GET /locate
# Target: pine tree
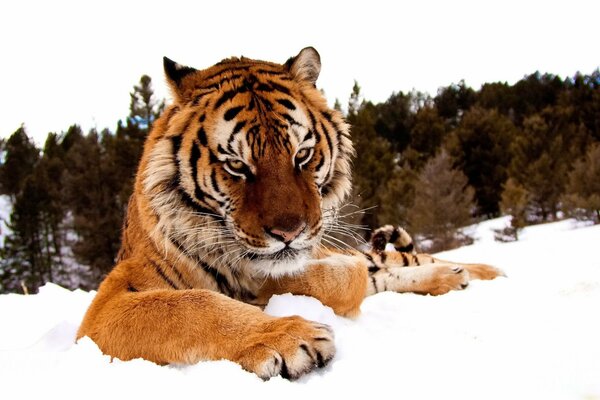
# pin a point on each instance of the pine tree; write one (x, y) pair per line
(28, 251)
(515, 200)
(582, 193)
(443, 203)
(337, 105)
(91, 190)
(144, 108)
(394, 119)
(124, 148)
(19, 158)
(374, 163)
(480, 145)
(355, 100)
(397, 197)
(427, 134)
(542, 156)
(33, 251)
(453, 101)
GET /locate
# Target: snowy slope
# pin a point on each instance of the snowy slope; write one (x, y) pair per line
(532, 335)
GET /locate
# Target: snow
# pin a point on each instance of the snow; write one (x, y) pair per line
(532, 335)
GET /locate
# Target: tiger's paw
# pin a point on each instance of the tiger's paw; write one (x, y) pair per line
(289, 346)
(444, 278)
(483, 271)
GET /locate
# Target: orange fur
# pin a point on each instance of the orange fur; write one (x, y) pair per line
(221, 185)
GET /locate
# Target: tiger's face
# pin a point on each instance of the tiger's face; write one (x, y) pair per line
(259, 157)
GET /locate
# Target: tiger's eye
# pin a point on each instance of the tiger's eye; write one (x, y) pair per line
(302, 154)
(235, 165)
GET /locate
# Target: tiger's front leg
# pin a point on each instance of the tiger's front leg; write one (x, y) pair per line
(186, 326)
(342, 280)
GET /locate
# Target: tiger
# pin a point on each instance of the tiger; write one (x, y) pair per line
(239, 180)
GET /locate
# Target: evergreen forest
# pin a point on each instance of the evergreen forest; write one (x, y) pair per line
(432, 164)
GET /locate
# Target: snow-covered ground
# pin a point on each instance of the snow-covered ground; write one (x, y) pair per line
(533, 335)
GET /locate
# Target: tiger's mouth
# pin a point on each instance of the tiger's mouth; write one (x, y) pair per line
(285, 254)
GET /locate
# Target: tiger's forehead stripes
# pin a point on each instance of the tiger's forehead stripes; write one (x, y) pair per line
(250, 114)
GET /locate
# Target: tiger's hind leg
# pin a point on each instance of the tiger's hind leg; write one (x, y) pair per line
(434, 279)
(422, 273)
(406, 256)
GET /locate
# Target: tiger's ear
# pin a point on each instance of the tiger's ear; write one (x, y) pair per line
(175, 73)
(306, 66)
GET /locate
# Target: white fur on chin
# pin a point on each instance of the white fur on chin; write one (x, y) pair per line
(279, 268)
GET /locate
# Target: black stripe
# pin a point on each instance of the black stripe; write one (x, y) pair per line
(406, 249)
(395, 236)
(176, 144)
(313, 122)
(374, 283)
(309, 135)
(266, 104)
(321, 161)
(264, 87)
(194, 156)
(190, 202)
(279, 74)
(330, 145)
(287, 104)
(280, 88)
(285, 372)
(197, 99)
(232, 113)
(242, 67)
(220, 279)
(327, 115)
(202, 196)
(132, 289)
(238, 127)
(188, 122)
(404, 259)
(416, 259)
(252, 104)
(213, 181)
(229, 78)
(172, 112)
(161, 273)
(225, 97)
(291, 120)
(202, 136)
(221, 150)
(383, 256)
(373, 268)
(202, 118)
(180, 277)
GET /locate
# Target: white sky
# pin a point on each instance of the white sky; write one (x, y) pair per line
(66, 62)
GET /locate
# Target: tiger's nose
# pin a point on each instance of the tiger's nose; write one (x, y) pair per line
(286, 234)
